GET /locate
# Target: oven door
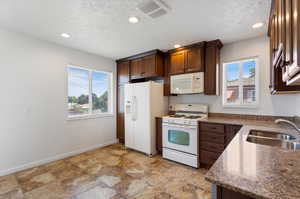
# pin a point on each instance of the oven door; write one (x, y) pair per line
(180, 138)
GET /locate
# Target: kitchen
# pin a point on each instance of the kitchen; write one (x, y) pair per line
(119, 106)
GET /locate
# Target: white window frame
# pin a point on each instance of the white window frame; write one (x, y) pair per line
(90, 114)
(240, 103)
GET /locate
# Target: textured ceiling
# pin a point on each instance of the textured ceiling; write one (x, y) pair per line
(101, 26)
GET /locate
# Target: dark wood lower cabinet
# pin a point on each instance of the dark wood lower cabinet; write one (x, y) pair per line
(231, 131)
(158, 123)
(223, 193)
(213, 139)
(211, 143)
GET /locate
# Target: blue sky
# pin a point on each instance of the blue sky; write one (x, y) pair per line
(233, 70)
(79, 82)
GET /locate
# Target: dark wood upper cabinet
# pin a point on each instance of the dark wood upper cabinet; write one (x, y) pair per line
(187, 59)
(177, 62)
(123, 72)
(212, 67)
(136, 68)
(146, 65)
(284, 36)
(195, 60)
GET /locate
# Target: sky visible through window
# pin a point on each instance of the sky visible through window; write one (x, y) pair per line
(233, 70)
(79, 82)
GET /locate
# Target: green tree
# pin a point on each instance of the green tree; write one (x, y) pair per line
(72, 99)
(83, 99)
(103, 102)
(252, 72)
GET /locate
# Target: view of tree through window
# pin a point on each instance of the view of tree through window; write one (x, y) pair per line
(240, 83)
(88, 92)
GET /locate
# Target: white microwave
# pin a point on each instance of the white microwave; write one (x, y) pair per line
(190, 83)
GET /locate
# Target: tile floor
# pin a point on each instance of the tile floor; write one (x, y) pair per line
(109, 172)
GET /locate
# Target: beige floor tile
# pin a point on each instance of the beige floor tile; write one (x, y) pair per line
(37, 181)
(8, 183)
(50, 191)
(98, 193)
(79, 184)
(110, 172)
(14, 194)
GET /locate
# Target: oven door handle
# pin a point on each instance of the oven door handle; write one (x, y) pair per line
(179, 126)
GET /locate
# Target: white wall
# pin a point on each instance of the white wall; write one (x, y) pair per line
(33, 115)
(281, 105)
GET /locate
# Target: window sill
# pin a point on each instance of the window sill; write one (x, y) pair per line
(86, 117)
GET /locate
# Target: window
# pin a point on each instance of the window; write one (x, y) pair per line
(89, 92)
(240, 83)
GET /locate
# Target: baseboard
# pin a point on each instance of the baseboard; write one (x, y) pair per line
(57, 157)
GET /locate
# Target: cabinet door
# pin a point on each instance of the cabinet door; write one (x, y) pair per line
(136, 68)
(288, 32)
(123, 72)
(230, 132)
(149, 66)
(294, 67)
(120, 115)
(177, 63)
(159, 134)
(194, 60)
(211, 75)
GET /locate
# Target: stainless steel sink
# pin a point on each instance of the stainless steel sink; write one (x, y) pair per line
(271, 135)
(274, 139)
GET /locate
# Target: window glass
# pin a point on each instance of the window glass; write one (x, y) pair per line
(78, 91)
(232, 83)
(100, 89)
(249, 90)
(89, 92)
(240, 83)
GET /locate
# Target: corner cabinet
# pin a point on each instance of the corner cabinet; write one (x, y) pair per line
(212, 67)
(187, 59)
(284, 36)
(123, 75)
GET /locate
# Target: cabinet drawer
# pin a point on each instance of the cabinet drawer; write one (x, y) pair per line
(217, 128)
(209, 146)
(212, 137)
(208, 157)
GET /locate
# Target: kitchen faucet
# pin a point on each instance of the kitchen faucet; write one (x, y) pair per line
(288, 122)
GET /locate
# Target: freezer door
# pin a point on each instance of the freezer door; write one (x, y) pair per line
(129, 123)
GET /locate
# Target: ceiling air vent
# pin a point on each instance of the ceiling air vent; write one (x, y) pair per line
(154, 8)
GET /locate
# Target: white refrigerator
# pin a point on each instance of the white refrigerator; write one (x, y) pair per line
(143, 102)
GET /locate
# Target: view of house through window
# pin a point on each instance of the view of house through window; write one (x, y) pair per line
(240, 83)
(89, 92)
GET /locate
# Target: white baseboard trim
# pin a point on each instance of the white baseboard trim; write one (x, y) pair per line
(51, 159)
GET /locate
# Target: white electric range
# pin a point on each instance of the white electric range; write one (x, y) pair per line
(180, 133)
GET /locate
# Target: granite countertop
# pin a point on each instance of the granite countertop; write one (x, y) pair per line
(257, 170)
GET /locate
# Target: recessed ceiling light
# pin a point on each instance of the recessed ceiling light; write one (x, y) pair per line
(133, 19)
(177, 46)
(65, 35)
(257, 25)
